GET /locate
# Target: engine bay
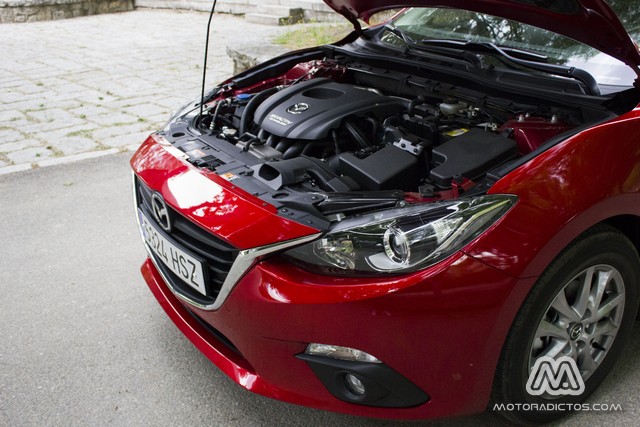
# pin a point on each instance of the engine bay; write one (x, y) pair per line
(336, 137)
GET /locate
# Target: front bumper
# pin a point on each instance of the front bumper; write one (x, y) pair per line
(442, 329)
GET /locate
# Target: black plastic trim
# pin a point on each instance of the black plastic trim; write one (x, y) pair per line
(216, 333)
(384, 387)
(494, 81)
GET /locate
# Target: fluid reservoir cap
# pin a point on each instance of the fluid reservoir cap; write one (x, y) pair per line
(244, 96)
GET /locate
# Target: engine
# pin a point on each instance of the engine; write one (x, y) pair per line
(310, 110)
(322, 135)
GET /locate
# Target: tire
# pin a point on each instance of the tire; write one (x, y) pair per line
(558, 318)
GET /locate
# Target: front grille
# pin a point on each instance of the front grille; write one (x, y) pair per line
(216, 255)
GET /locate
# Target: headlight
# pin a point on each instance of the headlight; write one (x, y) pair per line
(401, 240)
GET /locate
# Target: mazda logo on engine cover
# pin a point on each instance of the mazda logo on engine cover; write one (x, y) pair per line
(160, 212)
(298, 108)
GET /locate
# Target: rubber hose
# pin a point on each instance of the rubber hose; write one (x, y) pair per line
(357, 135)
(252, 106)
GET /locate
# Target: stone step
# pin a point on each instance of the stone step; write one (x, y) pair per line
(313, 5)
(307, 4)
(272, 2)
(239, 7)
(314, 10)
(281, 11)
(266, 19)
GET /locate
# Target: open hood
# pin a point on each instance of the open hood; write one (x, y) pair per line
(591, 22)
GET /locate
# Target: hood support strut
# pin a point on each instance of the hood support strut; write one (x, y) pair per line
(354, 21)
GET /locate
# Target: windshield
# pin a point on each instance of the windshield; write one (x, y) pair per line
(455, 24)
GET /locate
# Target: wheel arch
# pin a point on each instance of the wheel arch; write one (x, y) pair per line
(629, 225)
(585, 248)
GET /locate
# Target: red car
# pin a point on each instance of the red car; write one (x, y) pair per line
(414, 221)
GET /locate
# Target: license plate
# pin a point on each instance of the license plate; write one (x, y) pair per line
(183, 265)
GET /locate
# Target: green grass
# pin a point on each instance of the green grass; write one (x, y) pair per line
(313, 36)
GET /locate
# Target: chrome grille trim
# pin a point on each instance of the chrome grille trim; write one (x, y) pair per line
(243, 262)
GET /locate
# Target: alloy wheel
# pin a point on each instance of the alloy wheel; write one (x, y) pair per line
(583, 320)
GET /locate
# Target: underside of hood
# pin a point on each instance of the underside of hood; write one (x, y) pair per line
(591, 22)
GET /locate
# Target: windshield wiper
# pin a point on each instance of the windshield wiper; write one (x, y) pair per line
(533, 60)
(464, 44)
(443, 50)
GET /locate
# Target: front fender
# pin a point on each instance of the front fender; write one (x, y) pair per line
(586, 179)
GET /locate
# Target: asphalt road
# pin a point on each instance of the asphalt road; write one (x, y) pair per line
(83, 341)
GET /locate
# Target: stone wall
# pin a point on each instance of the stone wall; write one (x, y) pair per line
(224, 6)
(46, 10)
(314, 10)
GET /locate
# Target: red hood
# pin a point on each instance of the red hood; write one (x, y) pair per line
(591, 22)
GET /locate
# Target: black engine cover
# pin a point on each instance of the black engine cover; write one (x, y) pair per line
(311, 109)
(470, 155)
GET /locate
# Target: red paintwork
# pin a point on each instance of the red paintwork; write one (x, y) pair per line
(594, 24)
(593, 176)
(443, 327)
(413, 324)
(209, 200)
(531, 132)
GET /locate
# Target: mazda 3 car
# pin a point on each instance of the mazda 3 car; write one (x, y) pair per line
(403, 224)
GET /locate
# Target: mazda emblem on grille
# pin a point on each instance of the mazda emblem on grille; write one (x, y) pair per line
(160, 212)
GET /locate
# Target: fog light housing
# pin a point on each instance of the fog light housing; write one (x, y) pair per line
(354, 385)
(361, 383)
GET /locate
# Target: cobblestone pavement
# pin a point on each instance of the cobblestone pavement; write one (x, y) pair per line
(85, 87)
